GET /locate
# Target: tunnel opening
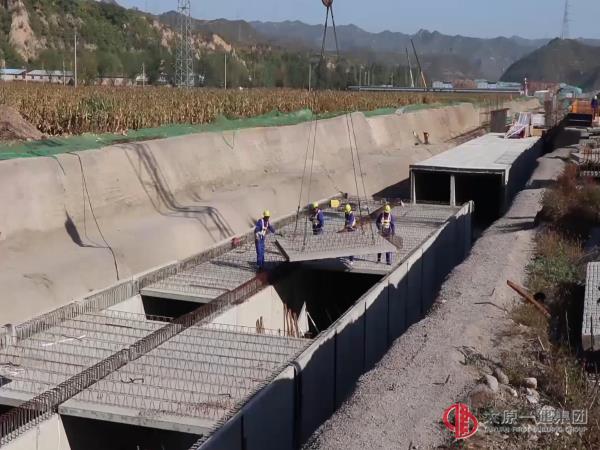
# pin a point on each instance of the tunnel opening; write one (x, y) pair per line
(83, 434)
(432, 187)
(156, 307)
(325, 295)
(486, 190)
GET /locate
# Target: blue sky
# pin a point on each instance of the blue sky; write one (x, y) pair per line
(481, 18)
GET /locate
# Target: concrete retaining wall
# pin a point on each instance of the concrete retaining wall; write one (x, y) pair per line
(285, 414)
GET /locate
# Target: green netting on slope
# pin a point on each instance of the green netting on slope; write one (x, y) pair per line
(88, 141)
(57, 145)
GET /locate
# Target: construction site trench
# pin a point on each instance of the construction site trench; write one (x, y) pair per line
(202, 353)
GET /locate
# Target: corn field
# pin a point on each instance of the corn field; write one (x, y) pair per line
(62, 110)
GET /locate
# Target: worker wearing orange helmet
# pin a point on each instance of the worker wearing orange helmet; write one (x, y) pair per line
(262, 228)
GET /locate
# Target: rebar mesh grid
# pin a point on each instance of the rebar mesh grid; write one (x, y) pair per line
(164, 349)
(200, 373)
(48, 358)
(414, 225)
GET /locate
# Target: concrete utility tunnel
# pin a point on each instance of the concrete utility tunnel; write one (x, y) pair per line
(489, 171)
(325, 295)
(304, 302)
(486, 190)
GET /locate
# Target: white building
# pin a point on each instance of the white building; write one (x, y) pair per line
(50, 76)
(12, 74)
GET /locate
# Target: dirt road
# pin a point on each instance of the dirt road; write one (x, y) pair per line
(399, 404)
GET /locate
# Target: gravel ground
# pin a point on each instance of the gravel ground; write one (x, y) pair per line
(399, 404)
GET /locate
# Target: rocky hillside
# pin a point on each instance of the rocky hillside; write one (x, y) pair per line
(566, 61)
(112, 40)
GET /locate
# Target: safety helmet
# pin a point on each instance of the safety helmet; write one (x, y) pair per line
(315, 205)
(348, 208)
(267, 213)
(387, 209)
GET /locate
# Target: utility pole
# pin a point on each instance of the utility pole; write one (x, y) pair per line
(63, 71)
(309, 76)
(419, 64)
(225, 83)
(412, 79)
(184, 66)
(565, 24)
(143, 75)
(75, 61)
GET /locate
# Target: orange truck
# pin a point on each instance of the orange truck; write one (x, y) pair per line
(580, 113)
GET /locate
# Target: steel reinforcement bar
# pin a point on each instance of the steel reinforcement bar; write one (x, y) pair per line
(20, 419)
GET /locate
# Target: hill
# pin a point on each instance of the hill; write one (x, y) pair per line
(561, 60)
(489, 58)
(238, 32)
(112, 40)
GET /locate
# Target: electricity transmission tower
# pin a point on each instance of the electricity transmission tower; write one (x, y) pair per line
(184, 66)
(565, 25)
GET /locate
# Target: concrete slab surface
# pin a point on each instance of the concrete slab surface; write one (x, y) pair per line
(488, 153)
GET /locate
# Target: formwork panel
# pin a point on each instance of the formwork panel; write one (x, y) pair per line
(376, 327)
(274, 406)
(430, 287)
(444, 260)
(398, 301)
(227, 437)
(350, 350)
(317, 384)
(415, 279)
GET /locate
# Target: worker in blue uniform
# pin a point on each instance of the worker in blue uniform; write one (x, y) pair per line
(349, 224)
(387, 228)
(317, 218)
(263, 227)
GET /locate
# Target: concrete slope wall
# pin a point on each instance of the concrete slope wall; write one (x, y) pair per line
(163, 200)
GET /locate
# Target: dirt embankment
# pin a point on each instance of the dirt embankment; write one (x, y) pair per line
(13, 127)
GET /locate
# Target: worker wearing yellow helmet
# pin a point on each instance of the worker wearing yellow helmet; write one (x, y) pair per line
(387, 228)
(317, 218)
(349, 224)
(262, 228)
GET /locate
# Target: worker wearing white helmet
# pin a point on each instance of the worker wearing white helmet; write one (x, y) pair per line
(262, 228)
